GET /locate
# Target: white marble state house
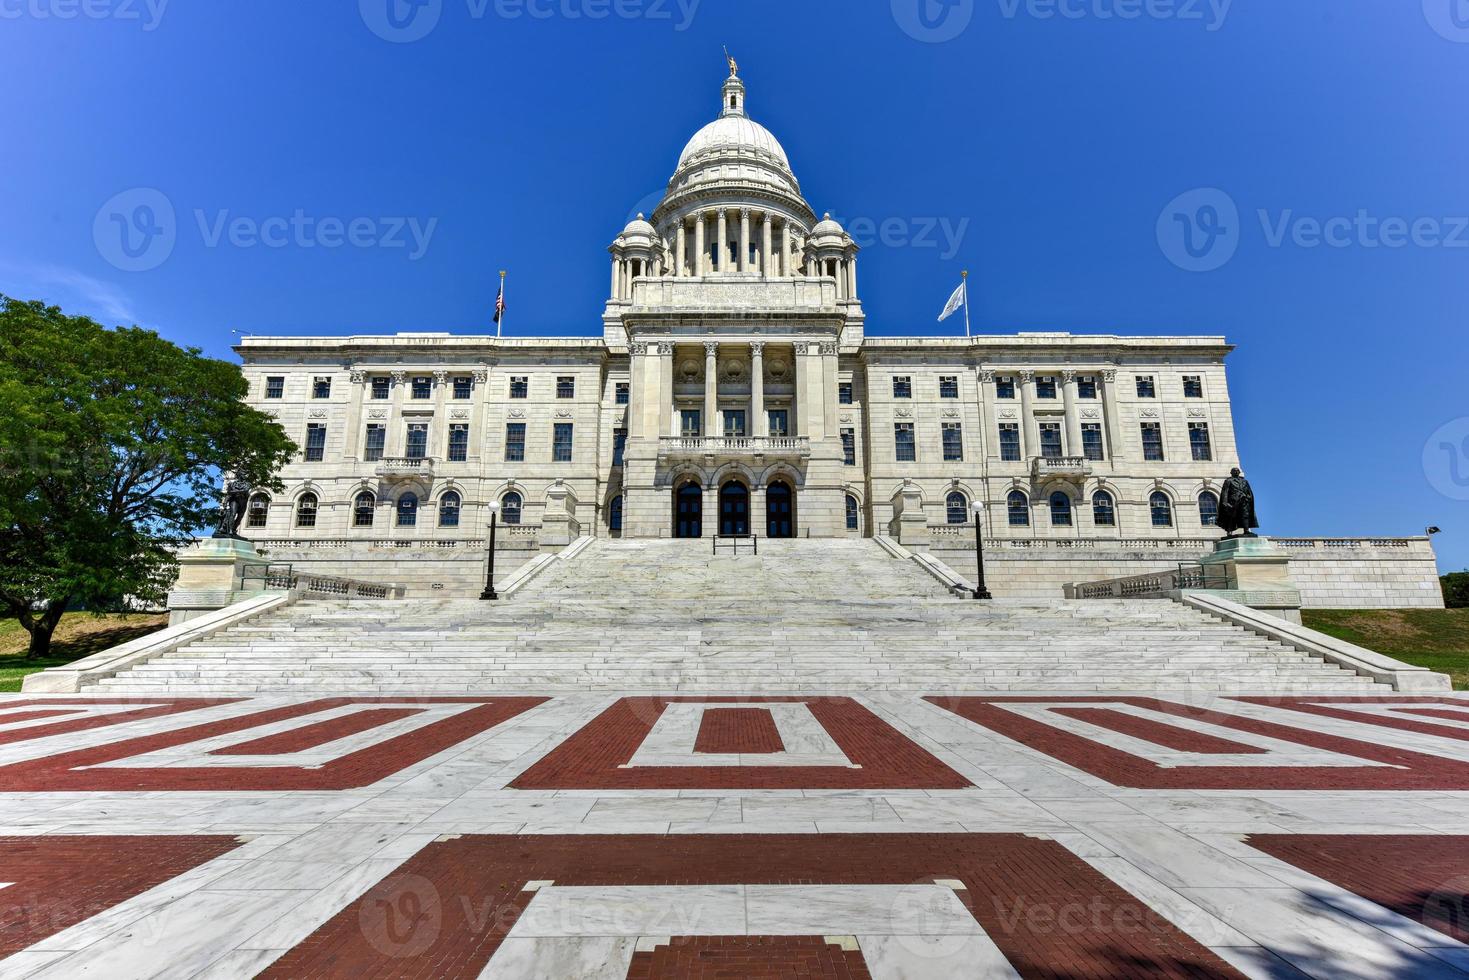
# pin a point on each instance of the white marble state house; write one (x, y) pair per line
(734, 392)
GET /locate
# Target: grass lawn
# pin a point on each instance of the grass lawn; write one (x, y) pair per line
(78, 635)
(1434, 638)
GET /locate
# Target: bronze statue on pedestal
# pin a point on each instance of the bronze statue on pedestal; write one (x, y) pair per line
(1237, 506)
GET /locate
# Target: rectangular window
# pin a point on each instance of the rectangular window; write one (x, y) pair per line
(561, 443)
(1045, 386)
(953, 442)
(315, 442)
(948, 387)
(1091, 440)
(622, 395)
(566, 387)
(849, 447)
(416, 446)
(619, 445)
(1145, 386)
(377, 437)
(907, 452)
(423, 388)
(514, 442)
(1152, 441)
(780, 422)
(1005, 388)
(463, 388)
(690, 423)
(844, 393)
(734, 423)
(1050, 440)
(321, 387)
(381, 388)
(275, 387)
(1010, 441)
(902, 387)
(520, 387)
(1198, 442)
(458, 443)
(1086, 386)
(1193, 386)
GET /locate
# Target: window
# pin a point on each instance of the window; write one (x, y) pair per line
(1104, 509)
(315, 442)
(306, 510)
(364, 509)
(520, 387)
(408, 510)
(510, 508)
(902, 387)
(1050, 440)
(948, 386)
(619, 446)
(417, 444)
(1060, 509)
(780, 421)
(1209, 509)
(275, 387)
(1162, 509)
(849, 447)
(1045, 386)
(903, 440)
(566, 387)
(449, 509)
(561, 443)
(1010, 441)
(1193, 386)
(614, 515)
(1198, 442)
(423, 388)
(1086, 386)
(851, 513)
(515, 442)
(463, 388)
(953, 442)
(458, 443)
(1091, 440)
(377, 436)
(690, 423)
(321, 388)
(734, 423)
(1152, 441)
(382, 387)
(1005, 388)
(844, 397)
(258, 511)
(623, 393)
(1145, 386)
(1017, 506)
(956, 508)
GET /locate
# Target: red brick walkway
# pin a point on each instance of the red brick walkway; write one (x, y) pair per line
(748, 958)
(749, 731)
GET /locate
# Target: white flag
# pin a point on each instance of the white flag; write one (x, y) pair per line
(960, 298)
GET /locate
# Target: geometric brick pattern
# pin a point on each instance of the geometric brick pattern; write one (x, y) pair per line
(746, 731)
(1339, 707)
(754, 957)
(135, 709)
(455, 900)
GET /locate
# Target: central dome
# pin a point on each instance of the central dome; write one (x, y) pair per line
(735, 133)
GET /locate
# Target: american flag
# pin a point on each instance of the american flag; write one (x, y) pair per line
(500, 301)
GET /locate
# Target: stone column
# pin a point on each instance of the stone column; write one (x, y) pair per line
(767, 267)
(1114, 420)
(852, 277)
(397, 437)
(680, 248)
(1031, 438)
(798, 394)
(615, 284)
(987, 407)
(667, 423)
(793, 265)
(744, 263)
(355, 422)
(759, 423)
(711, 389)
(1073, 414)
(701, 260)
(723, 241)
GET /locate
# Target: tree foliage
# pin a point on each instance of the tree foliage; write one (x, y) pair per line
(1456, 590)
(112, 448)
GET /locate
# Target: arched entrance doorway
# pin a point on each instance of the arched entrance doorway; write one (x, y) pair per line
(780, 510)
(734, 510)
(688, 511)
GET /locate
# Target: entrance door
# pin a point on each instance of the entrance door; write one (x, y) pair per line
(779, 517)
(689, 511)
(734, 510)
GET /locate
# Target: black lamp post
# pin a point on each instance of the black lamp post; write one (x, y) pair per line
(489, 593)
(980, 592)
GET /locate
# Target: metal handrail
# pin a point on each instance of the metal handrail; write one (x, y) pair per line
(270, 575)
(734, 542)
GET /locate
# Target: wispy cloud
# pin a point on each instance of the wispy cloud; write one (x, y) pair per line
(73, 291)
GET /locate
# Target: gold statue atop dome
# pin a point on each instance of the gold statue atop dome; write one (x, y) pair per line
(734, 66)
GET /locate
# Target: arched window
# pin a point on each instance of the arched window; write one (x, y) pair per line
(449, 509)
(306, 510)
(1060, 509)
(258, 510)
(1018, 506)
(1162, 509)
(1104, 509)
(852, 513)
(614, 516)
(510, 508)
(1209, 508)
(408, 510)
(364, 509)
(957, 506)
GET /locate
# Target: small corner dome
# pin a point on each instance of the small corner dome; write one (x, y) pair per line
(827, 226)
(639, 227)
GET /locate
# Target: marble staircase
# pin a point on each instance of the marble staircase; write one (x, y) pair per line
(670, 617)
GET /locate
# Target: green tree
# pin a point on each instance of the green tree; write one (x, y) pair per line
(1456, 589)
(113, 444)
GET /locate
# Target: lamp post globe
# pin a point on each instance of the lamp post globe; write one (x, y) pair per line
(980, 591)
(489, 594)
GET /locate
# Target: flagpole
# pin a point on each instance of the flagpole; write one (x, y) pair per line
(500, 320)
(966, 304)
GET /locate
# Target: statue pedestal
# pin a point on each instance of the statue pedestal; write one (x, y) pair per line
(211, 576)
(912, 521)
(1256, 574)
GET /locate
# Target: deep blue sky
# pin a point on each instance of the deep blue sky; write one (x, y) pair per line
(1055, 143)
